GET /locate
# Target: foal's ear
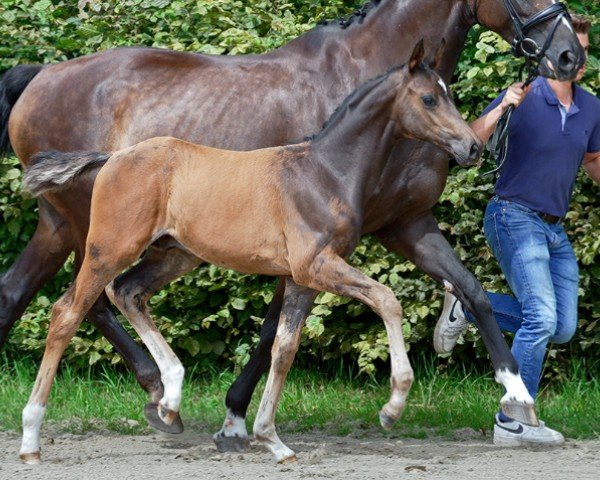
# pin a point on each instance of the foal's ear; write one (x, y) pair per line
(437, 61)
(417, 56)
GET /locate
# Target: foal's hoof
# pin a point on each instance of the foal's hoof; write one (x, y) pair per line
(231, 444)
(386, 421)
(291, 459)
(31, 458)
(154, 420)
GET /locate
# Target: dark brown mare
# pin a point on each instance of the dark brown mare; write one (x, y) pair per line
(294, 211)
(116, 98)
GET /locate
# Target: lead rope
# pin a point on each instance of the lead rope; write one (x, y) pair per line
(498, 144)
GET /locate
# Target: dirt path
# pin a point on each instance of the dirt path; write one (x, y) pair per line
(115, 457)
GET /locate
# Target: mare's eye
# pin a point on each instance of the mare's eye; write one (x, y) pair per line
(429, 101)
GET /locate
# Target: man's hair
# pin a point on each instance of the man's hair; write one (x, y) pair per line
(581, 24)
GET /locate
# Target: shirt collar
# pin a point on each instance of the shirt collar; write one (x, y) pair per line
(551, 99)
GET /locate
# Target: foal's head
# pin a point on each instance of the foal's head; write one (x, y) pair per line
(424, 110)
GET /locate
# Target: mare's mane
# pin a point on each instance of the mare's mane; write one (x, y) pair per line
(357, 16)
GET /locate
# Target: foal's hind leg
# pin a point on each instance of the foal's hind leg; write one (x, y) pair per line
(130, 292)
(67, 314)
(297, 303)
(422, 242)
(334, 275)
(233, 436)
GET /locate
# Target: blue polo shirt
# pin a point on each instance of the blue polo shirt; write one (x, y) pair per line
(545, 153)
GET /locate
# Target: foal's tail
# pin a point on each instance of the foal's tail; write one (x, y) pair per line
(51, 171)
(12, 85)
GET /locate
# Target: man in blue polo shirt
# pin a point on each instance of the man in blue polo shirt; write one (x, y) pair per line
(554, 130)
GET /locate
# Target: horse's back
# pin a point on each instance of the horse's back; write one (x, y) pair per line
(116, 98)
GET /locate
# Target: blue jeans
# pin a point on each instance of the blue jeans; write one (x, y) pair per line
(541, 269)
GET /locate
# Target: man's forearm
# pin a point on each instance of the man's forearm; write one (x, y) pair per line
(591, 163)
(484, 126)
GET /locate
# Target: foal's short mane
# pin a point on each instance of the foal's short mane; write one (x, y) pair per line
(357, 94)
(357, 15)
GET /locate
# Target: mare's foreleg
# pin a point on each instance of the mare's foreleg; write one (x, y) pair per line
(130, 292)
(297, 303)
(233, 436)
(422, 242)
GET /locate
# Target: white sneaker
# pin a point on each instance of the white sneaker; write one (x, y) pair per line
(516, 434)
(450, 325)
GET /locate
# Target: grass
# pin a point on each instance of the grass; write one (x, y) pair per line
(438, 403)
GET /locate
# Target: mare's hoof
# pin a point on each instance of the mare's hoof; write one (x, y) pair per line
(31, 458)
(290, 459)
(522, 412)
(154, 420)
(386, 421)
(231, 444)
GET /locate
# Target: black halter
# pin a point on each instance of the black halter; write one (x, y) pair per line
(526, 47)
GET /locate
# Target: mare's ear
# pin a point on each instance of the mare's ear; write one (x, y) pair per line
(417, 56)
(437, 61)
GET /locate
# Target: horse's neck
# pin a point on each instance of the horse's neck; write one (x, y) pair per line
(387, 35)
(358, 140)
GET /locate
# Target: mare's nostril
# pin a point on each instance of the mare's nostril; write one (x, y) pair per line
(567, 61)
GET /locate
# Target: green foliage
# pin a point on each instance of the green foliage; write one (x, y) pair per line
(213, 316)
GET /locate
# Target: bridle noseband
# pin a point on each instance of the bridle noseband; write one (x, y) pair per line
(526, 46)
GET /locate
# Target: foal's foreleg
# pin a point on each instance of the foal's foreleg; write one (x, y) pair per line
(336, 276)
(422, 242)
(297, 303)
(130, 292)
(233, 436)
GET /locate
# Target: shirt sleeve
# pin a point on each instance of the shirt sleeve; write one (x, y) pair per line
(594, 141)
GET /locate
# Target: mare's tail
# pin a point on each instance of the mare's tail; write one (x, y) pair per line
(51, 171)
(12, 85)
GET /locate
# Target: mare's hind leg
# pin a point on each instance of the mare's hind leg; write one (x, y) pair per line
(422, 242)
(130, 292)
(67, 315)
(233, 436)
(297, 303)
(45, 253)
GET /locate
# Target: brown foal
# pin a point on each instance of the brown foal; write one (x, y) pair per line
(294, 211)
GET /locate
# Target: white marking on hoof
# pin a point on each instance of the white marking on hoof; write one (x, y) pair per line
(448, 286)
(515, 388)
(33, 415)
(285, 455)
(233, 426)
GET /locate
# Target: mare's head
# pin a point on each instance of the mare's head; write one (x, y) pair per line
(424, 110)
(540, 29)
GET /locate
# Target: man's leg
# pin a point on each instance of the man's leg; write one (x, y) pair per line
(565, 276)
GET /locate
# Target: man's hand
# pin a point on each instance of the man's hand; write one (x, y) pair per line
(484, 126)
(515, 94)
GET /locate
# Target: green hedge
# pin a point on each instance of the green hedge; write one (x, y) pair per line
(213, 316)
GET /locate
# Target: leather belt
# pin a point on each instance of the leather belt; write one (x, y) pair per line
(546, 217)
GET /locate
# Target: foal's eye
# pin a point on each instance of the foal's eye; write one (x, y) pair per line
(429, 101)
